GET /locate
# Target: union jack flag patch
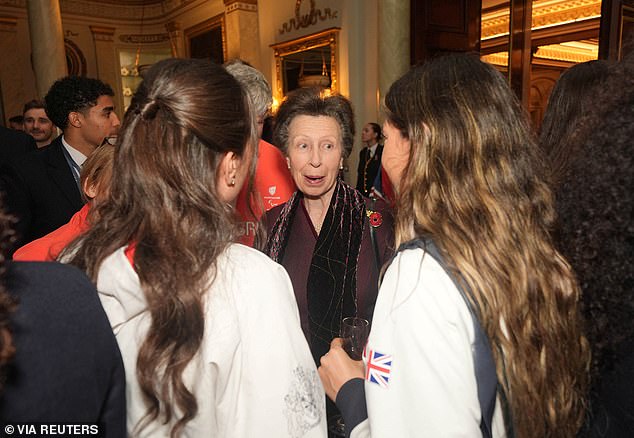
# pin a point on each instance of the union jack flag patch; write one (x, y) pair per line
(378, 368)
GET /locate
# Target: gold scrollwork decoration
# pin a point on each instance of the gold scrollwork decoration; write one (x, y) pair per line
(302, 21)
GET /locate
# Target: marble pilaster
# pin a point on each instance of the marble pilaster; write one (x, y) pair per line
(394, 42)
(47, 43)
(177, 42)
(243, 35)
(108, 69)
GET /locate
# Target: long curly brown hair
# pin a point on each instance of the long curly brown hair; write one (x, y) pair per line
(185, 116)
(596, 231)
(474, 183)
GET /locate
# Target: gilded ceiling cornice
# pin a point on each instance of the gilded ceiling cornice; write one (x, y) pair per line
(121, 10)
(545, 13)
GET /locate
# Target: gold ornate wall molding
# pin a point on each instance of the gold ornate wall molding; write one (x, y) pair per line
(328, 37)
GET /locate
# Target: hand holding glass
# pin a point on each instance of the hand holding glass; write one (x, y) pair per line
(354, 332)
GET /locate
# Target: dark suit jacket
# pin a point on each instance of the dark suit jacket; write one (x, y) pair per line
(14, 144)
(368, 169)
(40, 191)
(67, 367)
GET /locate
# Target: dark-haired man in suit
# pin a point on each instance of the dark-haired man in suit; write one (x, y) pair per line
(42, 187)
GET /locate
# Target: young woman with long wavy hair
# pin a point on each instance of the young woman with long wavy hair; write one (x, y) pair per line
(197, 317)
(470, 184)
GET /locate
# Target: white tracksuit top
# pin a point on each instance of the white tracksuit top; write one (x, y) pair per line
(423, 323)
(253, 376)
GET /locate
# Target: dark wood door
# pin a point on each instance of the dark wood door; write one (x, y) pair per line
(617, 28)
(439, 26)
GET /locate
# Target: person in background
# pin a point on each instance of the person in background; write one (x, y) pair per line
(96, 174)
(59, 361)
(37, 124)
(329, 237)
(272, 184)
(571, 101)
(17, 123)
(476, 273)
(369, 157)
(596, 235)
(195, 314)
(42, 187)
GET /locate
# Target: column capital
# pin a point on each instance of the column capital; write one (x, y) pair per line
(173, 26)
(102, 33)
(243, 5)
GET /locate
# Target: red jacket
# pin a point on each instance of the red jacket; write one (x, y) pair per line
(273, 184)
(48, 247)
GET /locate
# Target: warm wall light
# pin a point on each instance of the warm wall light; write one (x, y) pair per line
(275, 105)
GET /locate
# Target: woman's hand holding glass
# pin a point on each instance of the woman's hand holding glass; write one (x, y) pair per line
(337, 368)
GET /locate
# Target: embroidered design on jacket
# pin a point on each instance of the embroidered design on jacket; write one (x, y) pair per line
(304, 402)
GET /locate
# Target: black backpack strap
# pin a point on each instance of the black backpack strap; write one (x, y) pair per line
(484, 365)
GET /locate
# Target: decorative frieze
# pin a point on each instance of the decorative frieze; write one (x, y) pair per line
(144, 38)
(102, 33)
(241, 5)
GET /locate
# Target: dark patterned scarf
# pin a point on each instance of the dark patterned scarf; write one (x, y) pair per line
(332, 277)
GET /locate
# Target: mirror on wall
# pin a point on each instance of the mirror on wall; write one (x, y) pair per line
(307, 61)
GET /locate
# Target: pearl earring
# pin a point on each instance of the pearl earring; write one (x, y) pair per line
(233, 181)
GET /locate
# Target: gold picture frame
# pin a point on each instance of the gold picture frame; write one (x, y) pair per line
(328, 38)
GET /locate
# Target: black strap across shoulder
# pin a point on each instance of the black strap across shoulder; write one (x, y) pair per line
(484, 365)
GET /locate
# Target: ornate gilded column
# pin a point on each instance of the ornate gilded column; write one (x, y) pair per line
(394, 41)
(177, 42)
(243, 34)
(47, 43)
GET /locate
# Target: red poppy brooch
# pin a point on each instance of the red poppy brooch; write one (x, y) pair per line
(376, 219)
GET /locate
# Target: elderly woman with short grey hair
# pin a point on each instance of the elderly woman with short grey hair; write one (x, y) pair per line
(331, 240)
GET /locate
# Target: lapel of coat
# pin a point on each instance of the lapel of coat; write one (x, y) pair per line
(60, 173)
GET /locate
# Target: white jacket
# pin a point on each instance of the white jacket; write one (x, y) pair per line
(253, 376)
(422, 325)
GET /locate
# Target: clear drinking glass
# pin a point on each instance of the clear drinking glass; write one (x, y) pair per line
(354, 331)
